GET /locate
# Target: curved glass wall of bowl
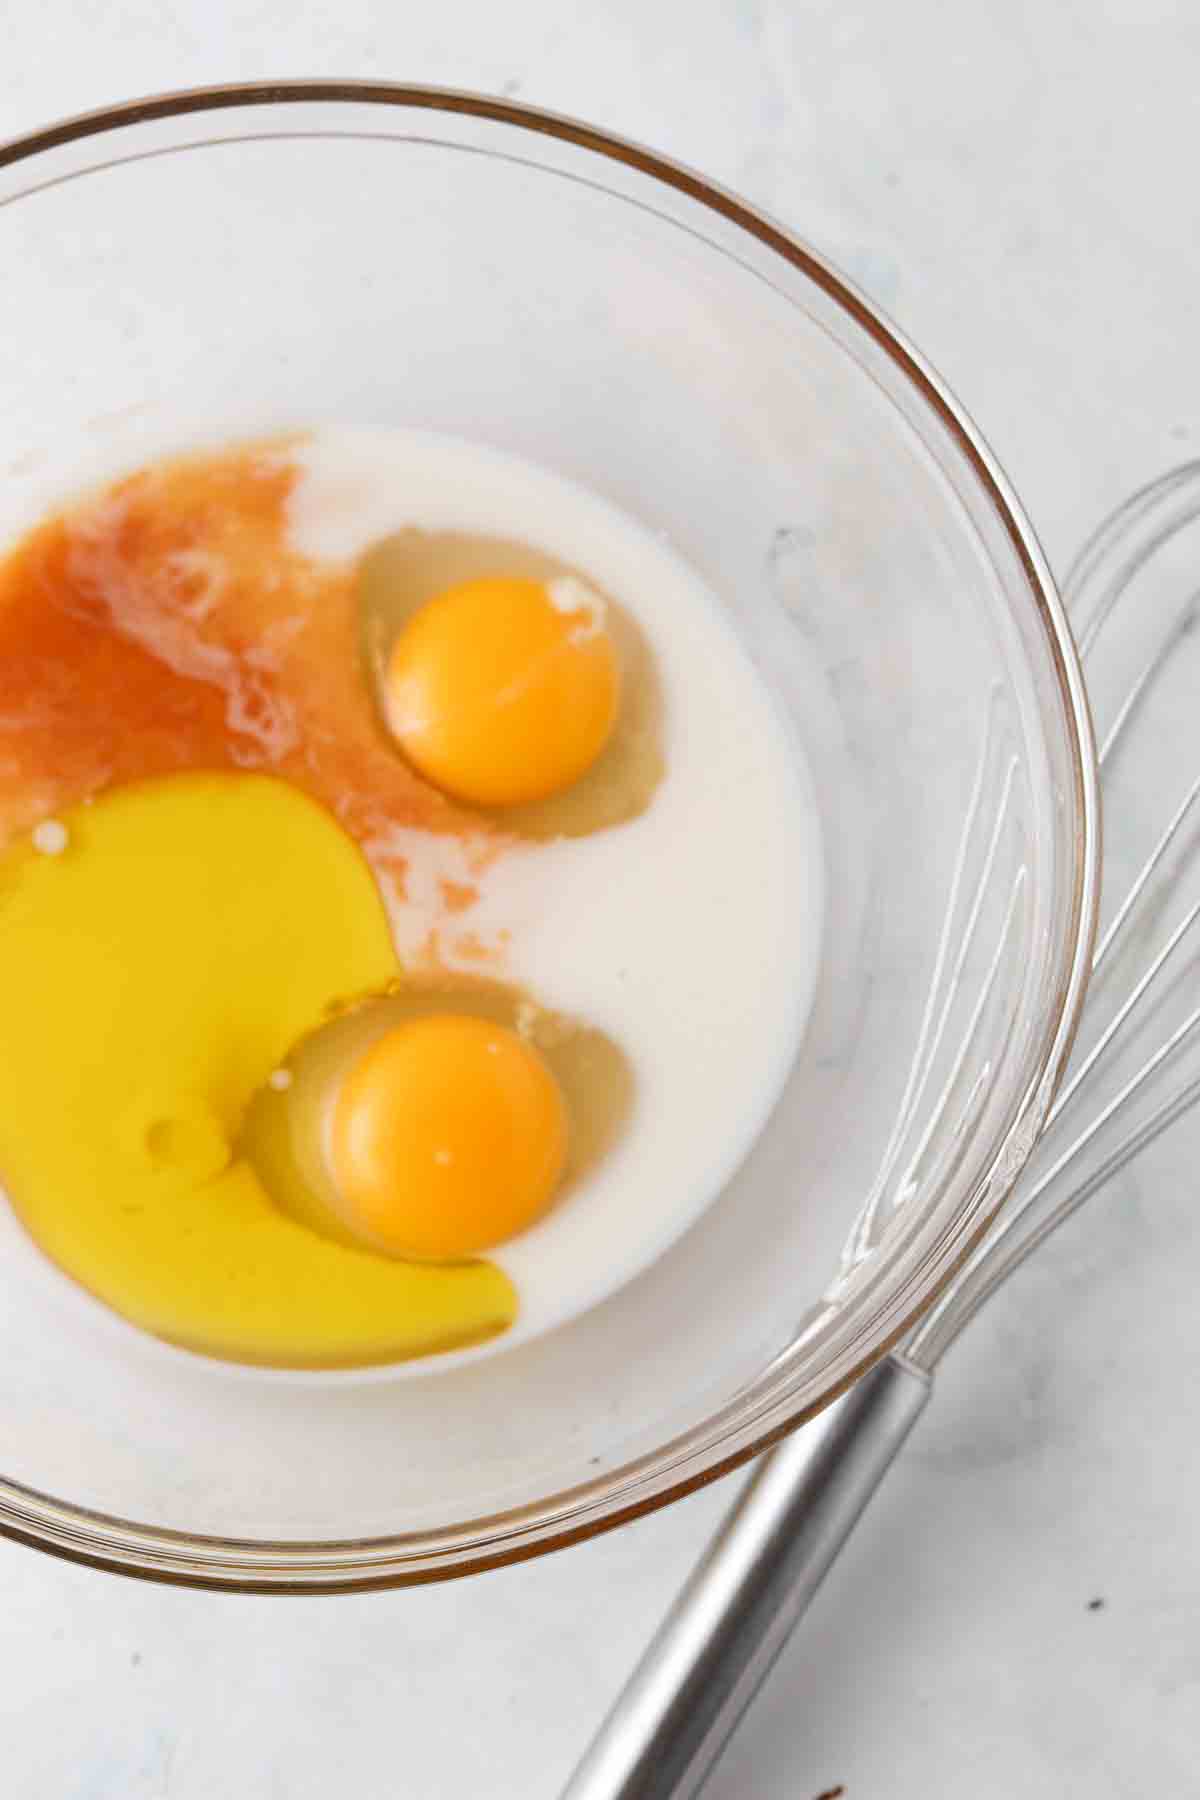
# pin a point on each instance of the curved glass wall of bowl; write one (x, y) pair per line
(979, 890)
(1134, 597)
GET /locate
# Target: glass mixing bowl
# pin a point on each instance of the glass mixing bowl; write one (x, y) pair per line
(230, 262)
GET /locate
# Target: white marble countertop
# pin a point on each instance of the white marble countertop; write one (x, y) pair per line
(1005, 180)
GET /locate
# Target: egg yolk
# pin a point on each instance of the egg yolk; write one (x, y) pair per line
(504, 691)
(448, 1136)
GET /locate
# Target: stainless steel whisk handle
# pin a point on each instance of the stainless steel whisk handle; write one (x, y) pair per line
(724, 1632)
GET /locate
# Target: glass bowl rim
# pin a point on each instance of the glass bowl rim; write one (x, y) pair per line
(120, 1545)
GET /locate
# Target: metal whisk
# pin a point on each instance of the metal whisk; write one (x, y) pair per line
(1134, 597)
